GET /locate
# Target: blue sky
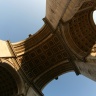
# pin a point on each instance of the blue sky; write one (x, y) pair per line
(19, 17)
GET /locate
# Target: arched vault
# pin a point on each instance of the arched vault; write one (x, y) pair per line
(63, 44)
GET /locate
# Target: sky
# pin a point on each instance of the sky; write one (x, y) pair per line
(18, 19)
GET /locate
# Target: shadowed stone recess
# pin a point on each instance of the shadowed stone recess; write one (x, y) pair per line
(8, 85)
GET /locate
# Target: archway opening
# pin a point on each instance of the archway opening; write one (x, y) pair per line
(8, 86)
(94, 17)
(70, 85)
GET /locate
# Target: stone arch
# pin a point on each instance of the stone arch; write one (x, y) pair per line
(77, 38)
(14, 84)
(56, 78)
(53, 73)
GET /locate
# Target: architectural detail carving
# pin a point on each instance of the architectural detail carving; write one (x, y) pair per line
(62, 45)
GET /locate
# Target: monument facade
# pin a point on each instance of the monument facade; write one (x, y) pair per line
(65, 43)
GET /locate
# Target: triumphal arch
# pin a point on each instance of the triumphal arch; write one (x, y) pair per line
(66, 42)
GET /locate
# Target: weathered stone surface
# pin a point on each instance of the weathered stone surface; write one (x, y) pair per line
(55, 10)
(5, 49)
(49, 53)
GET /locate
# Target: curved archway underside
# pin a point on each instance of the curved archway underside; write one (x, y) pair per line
(51, 52)
(8, 85)
(48, 49)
